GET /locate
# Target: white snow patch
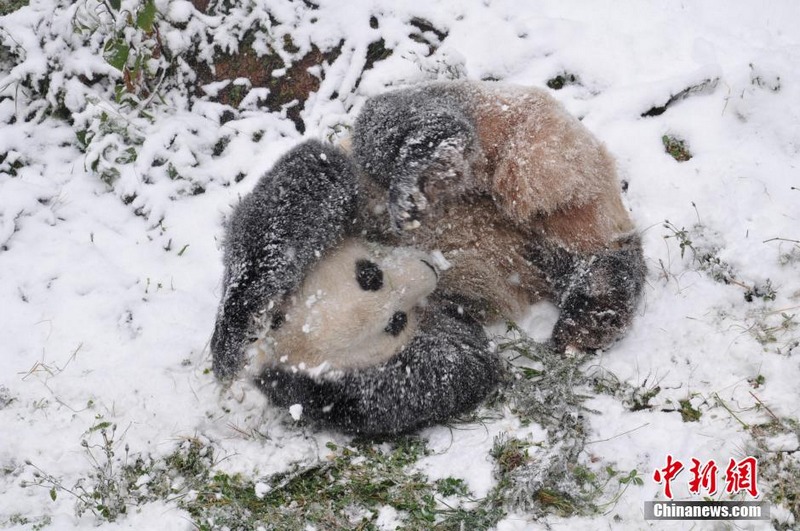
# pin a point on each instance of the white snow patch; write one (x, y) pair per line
(262, 489)
(296, 411)
(388, 518)
(440, 261)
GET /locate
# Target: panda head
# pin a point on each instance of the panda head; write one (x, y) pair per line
(356, 308)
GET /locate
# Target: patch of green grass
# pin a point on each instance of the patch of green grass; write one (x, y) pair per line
(769, 327)
(761, 291)
(452, 487)
(9, 6)
(635, 398)
(705, 254)
(688, 412)
(641, 396)
(548, 389)
(345, 491)
(509, 454)
(556, 502)
(579, 489)
(780, 469)
(353, 484)
(119, 481)
(37, 522)
(676, 148)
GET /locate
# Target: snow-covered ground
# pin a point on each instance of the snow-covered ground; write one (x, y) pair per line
(109, 293)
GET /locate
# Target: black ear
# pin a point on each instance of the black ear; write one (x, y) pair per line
(296, 211)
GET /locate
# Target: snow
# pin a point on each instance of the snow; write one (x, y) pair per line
(471, 444)
(296, 411)
(388, 518)
(262, 489)
(108, 307)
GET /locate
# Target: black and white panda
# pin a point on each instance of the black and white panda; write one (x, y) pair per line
(364, 346)
(294, 214)
(519, 198)
(349, 330)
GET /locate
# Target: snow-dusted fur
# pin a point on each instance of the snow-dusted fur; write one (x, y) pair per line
(285, 258)
(296, 211)
(447, 368)
(515, 192)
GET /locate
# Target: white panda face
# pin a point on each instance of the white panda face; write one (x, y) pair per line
(357, 308)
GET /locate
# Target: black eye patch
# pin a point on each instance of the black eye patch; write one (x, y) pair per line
(369, 275)
(397, 323)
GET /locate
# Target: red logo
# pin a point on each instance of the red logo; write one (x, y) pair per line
(667, 474)
(742, 476)
(704, 477)
(739, 476)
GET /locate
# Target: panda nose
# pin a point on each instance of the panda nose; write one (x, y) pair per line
(435, 271)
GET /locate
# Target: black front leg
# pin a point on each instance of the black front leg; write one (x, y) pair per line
(297, 211)
(412, 141)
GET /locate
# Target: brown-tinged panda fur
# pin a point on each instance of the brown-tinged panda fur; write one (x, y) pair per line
(517, 194)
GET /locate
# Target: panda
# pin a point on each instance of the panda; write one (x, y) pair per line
(365, 346)
(513, 193)
(352, 331)
(517, 195)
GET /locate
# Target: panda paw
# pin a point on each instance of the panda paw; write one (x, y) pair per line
(406, 205)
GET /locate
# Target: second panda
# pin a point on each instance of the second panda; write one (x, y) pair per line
(515, 192)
